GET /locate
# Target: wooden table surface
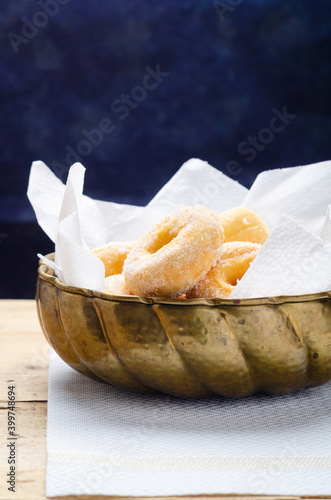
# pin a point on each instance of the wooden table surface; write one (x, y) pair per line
(24, 364)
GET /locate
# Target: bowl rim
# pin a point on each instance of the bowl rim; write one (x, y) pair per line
(47, 274)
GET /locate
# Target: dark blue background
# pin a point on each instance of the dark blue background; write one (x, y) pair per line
(225, 78)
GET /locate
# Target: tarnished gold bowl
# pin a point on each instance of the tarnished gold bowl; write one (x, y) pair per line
(189, 348)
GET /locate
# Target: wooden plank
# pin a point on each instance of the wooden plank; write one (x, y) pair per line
(30, 452)
(24, 351)
(24, 364)
(19, 316)
(24, 359)
(199, 497)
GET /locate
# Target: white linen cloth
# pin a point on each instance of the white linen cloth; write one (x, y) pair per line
(107, 441)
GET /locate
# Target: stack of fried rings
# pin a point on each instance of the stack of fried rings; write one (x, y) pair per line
(191, 253)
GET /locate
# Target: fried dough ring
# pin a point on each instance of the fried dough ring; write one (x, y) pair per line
(116, 285)
(175, 254)
(241, 224)
(222, 278)
(113, 256)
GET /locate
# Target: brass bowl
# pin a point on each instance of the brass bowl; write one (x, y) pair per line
(189, 348)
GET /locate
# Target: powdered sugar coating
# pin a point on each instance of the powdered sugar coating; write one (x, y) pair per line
(116, 285)
(222, 278)
(175, 254)
(241, 224)
(113, 255)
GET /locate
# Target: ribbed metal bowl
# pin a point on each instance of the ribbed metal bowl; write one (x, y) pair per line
(189, 348)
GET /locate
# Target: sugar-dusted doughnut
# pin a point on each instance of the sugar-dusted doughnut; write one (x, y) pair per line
(221, 279)
(241, 224)
(175, 254)
(113, 255)
(116, 285)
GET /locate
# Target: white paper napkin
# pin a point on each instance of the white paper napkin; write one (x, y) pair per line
(100, 220)
(195, 183)
(292, 261)
(106, 441)
(326, 228)
(302, 193)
